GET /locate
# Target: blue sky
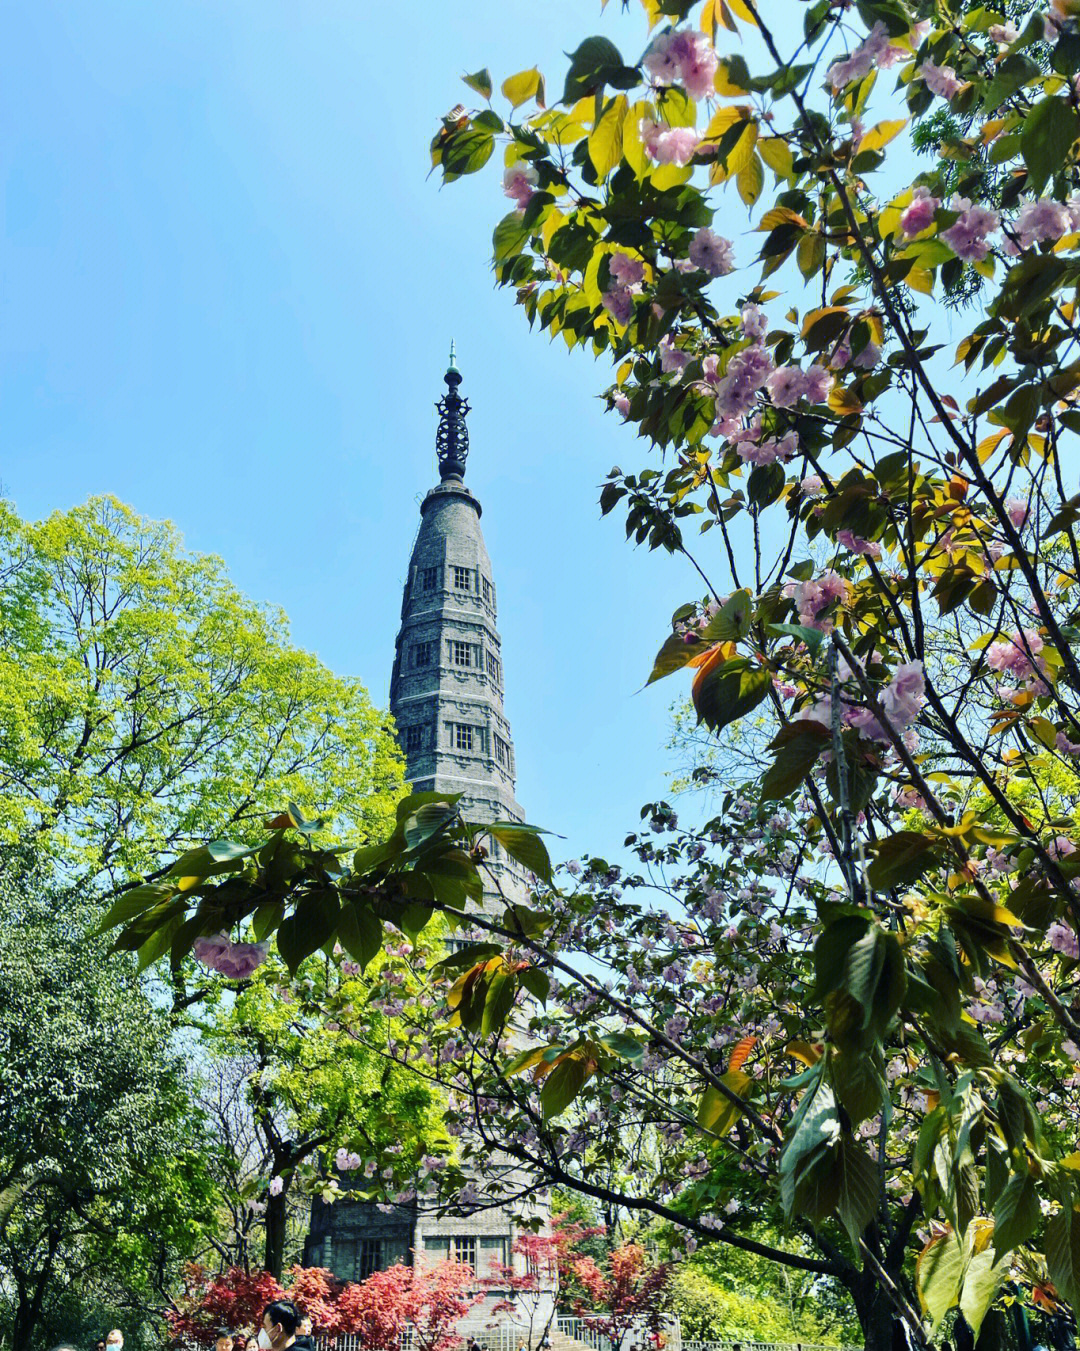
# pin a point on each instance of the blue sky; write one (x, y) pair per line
(229, 288)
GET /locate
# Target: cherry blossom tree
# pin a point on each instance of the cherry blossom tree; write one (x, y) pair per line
(835, 1024)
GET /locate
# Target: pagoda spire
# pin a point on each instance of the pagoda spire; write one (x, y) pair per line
(452, 438)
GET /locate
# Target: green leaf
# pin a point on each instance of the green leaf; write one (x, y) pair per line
(537, 982)
(311, 924)
(428, 821)
(901, 859)
(810, 254)
(982, 1281)
(159, 942)
(813, 638)
(797, 746)
(480, 82)
(1017, 1213)
(563, 1085)
(732, 621)
(730, 691)
(1063, 1253)
(1012, 74)
(674, 655)
(498, 1002)
(524, 1060)
(523, 86)
(135, 902)
(606, 138)
(465, 957)
(1046, 138)
(466, 151)
(938, 1272)
(524, 844)
(624, 1046)
(716, 1112)
(858, 1189)
(360, 932)
(595, 63)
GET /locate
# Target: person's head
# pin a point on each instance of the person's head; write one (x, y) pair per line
(114, 1341)
(99, 1345)
(240, 1341)
(223, 1340)
(304, 1325)
(279, 1322)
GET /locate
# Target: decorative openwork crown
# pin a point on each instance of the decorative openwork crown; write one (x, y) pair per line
(452, 438)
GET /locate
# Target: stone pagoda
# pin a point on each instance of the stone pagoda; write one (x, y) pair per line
(446, 695)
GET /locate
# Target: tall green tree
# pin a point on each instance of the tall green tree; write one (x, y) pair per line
(145, 701)
(308, 1092)
(103, 1155)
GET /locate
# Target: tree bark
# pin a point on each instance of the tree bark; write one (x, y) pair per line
(882, 1326)
(275, 1231)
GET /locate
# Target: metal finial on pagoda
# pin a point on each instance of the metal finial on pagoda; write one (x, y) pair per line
(452, 438)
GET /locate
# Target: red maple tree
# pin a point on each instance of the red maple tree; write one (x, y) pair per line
(628, 1296)
(232, 1299)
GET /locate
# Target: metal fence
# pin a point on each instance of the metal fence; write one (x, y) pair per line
(767, 1346)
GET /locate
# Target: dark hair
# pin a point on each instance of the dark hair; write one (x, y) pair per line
(221, 1332)
(283, 1311)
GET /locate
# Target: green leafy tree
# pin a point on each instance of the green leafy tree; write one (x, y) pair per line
(847, 1001)
(103, 1168)
(145, 701)
(308, 1093)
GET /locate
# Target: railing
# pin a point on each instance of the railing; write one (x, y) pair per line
(578, 1330)
(767, 1346)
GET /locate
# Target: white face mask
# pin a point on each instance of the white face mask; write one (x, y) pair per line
(264, 1340)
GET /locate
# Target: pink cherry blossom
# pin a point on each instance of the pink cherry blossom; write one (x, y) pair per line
(905, 694)
(711, 253)
(785, 386)
(752, 364)
(1015, 654)
(817, 382)
(1017, 511)
(234, 961)
(1043, 219)
(967, 238)
(1063, 939)
(687, 56)
(857, 65)
(852, 542)
(919, 216)
(1062, 743)
(668, 145)
(755, 323)
(940, 80)
(811, 485)
(519, 183)
(625, 270)
(672, 358)
(277, 1186)
(619, 303)
(621, 404)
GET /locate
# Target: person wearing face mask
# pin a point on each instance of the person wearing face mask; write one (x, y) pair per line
(114, 1341)
(279, 1322)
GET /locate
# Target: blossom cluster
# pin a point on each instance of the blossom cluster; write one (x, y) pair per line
(686, 56)
(874, 50)
(668, 145)
(627, 275)
(234, 961)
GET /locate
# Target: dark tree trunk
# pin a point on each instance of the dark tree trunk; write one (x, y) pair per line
(882, 1326)
(275, 1231)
